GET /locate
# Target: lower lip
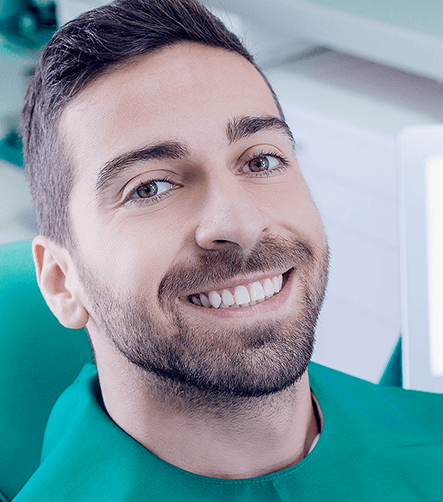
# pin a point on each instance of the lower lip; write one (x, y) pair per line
(274, 303)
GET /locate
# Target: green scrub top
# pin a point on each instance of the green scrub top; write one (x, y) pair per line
(377, 444)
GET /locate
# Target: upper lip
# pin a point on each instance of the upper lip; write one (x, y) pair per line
(238, 281)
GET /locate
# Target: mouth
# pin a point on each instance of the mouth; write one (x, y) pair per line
(243, 295)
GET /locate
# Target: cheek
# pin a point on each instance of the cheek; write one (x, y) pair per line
(288, 199)
(292, 207)
(144, 252)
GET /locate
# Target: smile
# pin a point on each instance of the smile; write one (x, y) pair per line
(243, 295)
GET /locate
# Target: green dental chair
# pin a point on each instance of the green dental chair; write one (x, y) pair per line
(39, 358)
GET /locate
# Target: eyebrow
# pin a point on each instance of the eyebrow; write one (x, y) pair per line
(166, 150)
(239, 128)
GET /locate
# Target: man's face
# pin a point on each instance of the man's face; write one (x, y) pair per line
(188, 198)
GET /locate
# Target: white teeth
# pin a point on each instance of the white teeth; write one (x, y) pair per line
(215, 299)
(241, 295)
(268, 288)
(196, 301)
(244, 296)
(276, 284)
(205, 302)
(256, 292)
(227, 298)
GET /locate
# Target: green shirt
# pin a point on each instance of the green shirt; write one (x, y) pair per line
(378, 443)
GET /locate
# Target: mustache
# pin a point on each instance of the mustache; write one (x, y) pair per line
(212, 267)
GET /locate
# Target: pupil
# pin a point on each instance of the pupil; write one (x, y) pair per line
(260, 164)
(146, 191)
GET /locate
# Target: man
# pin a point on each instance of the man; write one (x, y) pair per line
(177, 227)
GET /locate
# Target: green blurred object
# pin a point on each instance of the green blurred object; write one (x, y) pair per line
(10, 8)
(26, 24)
(392, 376)
(39, 358)
(25, 27)
(11, 149)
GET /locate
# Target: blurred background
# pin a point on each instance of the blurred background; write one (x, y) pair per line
(350, 74)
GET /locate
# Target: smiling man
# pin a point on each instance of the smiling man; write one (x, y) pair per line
(176, 227)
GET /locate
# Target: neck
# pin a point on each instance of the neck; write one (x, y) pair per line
(210, 435)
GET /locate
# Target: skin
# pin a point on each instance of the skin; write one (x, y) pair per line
(187, 93)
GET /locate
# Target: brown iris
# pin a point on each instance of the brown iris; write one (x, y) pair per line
(146, 191)
(259, 164)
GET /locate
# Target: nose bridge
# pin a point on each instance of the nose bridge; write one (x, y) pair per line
(229, 214)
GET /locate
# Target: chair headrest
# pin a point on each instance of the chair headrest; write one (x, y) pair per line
(39, 358)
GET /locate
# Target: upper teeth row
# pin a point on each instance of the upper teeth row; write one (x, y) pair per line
(243, 296)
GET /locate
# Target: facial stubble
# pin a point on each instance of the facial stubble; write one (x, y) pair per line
(221, 360)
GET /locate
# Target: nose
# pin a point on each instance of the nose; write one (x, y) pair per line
(230, 216)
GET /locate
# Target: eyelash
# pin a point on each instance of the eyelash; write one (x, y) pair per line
(157, 198)
(270, 172)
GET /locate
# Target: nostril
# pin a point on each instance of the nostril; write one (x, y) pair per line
(224, 244)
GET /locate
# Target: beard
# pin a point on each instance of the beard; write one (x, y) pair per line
(187, 353)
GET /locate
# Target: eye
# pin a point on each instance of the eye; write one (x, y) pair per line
(152, 191)
(261, 163)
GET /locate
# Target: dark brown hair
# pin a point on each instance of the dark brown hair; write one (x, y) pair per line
(78, 53)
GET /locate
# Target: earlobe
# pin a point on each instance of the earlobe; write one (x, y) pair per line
(58, 282)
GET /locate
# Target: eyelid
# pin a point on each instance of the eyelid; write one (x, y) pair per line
(264, 152)
(151, 200)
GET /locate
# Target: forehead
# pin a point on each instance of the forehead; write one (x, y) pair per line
(187, 92)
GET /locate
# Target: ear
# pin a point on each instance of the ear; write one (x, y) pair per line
(59, 283)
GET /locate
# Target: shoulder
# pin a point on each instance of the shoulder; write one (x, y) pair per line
(394, 410)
